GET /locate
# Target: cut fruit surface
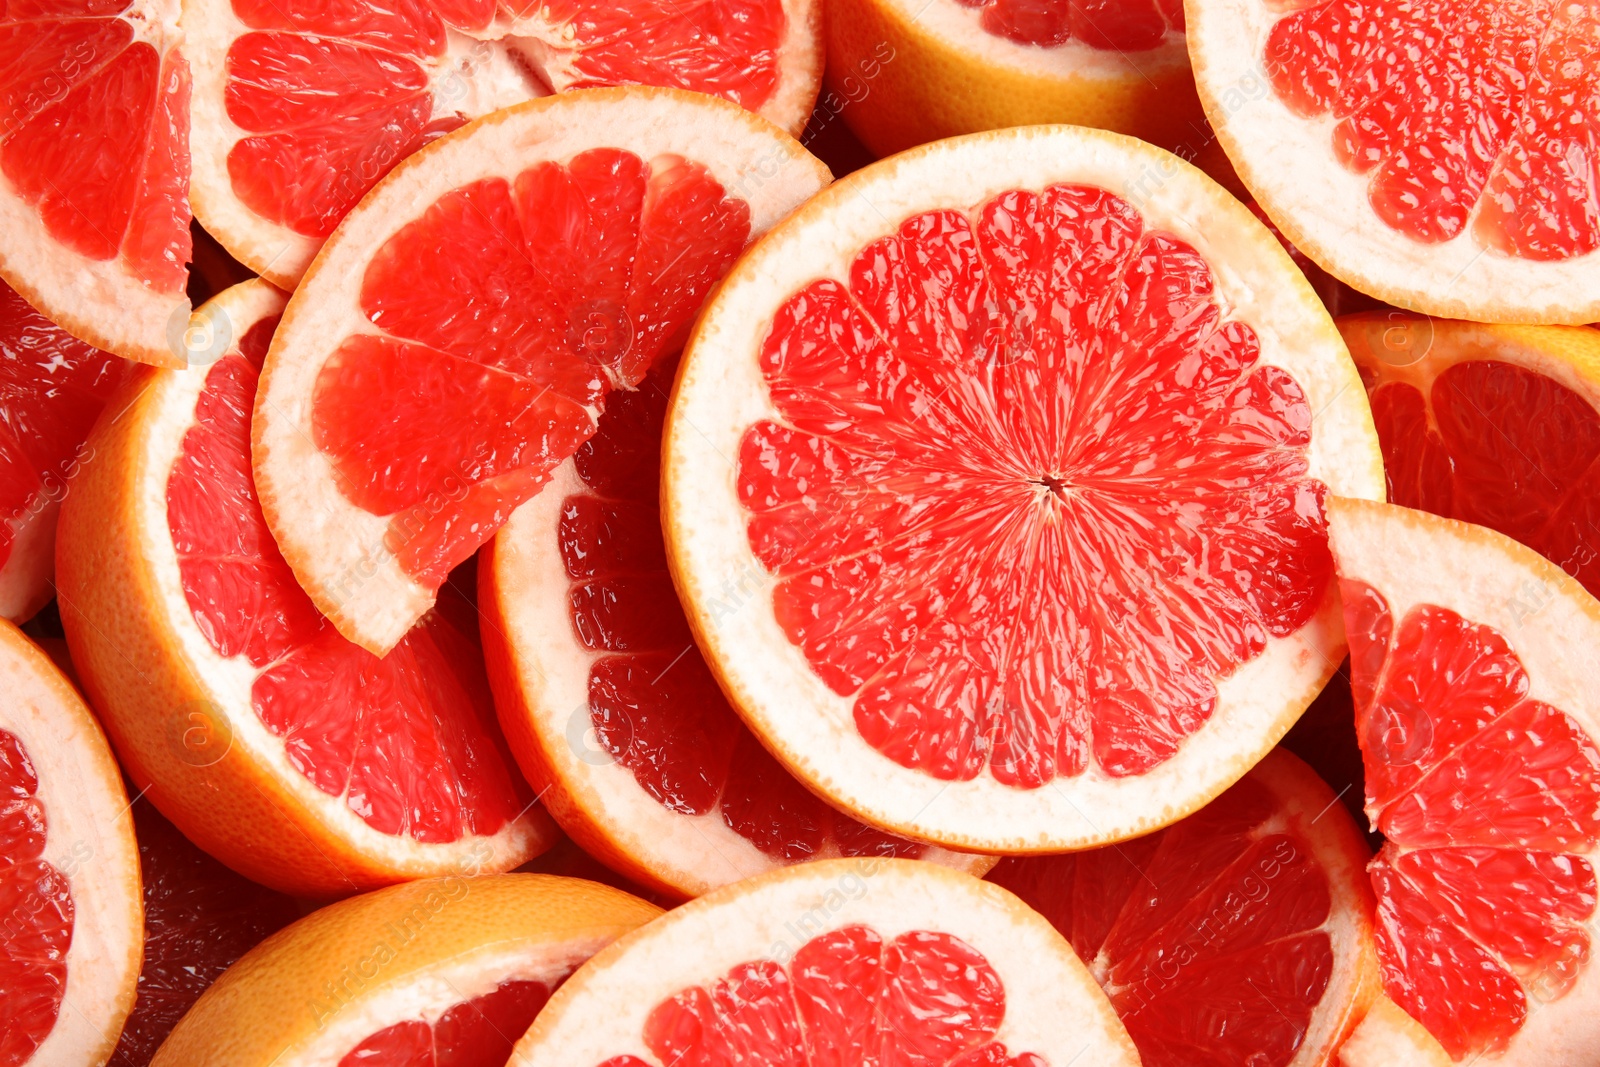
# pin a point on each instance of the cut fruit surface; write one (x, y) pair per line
(52, 386)
(840, 961)
(606, 701)
(1493, 425)
(1020, 486)
(446, 972)
(69, 872)
(1388, 1037)
(94, 153)
(1242, 934)
(1437, 155)
(293, 756)
(297, 115)
(1477, 711)
(456, 339)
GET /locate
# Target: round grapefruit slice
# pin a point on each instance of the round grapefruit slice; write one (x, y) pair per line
(836, 962)
(94, 153)
(52, 387)
(1242, 934)
(610, 708)
(293, 756)
(69, 872)
(1477, 710)
(298, 113)
(904, 72)
(455, 340)
(1439, 156)
(1020, 463)
(1493, 425)
(444, 971)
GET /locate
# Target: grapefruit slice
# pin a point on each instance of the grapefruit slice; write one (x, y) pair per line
(94, 209)
(835, 962)
(52, 387)
(1242, 934)
(1022, 482)
(1439, 156)
(904, 72)
(610, 708)
(455, 341)
(69, 872)
(297, 114)
(448, 971)
(1477, 709)
(289, 754)
(1493, 425)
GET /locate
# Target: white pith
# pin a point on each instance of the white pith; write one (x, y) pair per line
(337, 549)
(1053, 1007)
(1323, 208)
(1388, 1037)
(507, 63)
(89, 840)
(227, 681)
(727, 591)
(1553, 626)
(693, 853)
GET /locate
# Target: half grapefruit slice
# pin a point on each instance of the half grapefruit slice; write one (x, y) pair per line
(448, 971)
(298, 113)
(1493, 425)
(455, 340)
(1242, 934)
(69, 872)
(836, 962)
(295, 757)
(1440, 156)
(94, 199)
(608, 705)
(1478, 712)
(1017, 465)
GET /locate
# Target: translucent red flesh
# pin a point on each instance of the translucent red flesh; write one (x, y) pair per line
(508, 310)
(655, 706)
(1030, 496)
(1486, 798)
(1452, 107)
(95, 135)
(332, 95)
(476, 1033)
(408, 741)
(1501, 446)
(1119, 25)
(199, 917)
(923, 999)
(52, 387)
(36, 902)
(1207, 936)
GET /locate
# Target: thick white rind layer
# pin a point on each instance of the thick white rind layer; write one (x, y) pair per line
(1053, 1006)
(1323, 208)
(727, 591)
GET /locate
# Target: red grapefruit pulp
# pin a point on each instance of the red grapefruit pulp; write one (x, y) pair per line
(1126, 26)
(475, 1033)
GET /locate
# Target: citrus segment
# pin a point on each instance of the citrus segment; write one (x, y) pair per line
(476, 1033)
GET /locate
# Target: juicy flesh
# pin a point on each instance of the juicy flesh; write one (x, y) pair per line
(1489, 801)
(37, 902)
(1030, 495)
(1207, 936)
(408, 741)
(96, 133)
(848, 996)
(1118, 25)
(476, 1033)
(507, 310)
(52, 387)
(331, 95)
(1501, 446)
(1481, 114)
(655, 706)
